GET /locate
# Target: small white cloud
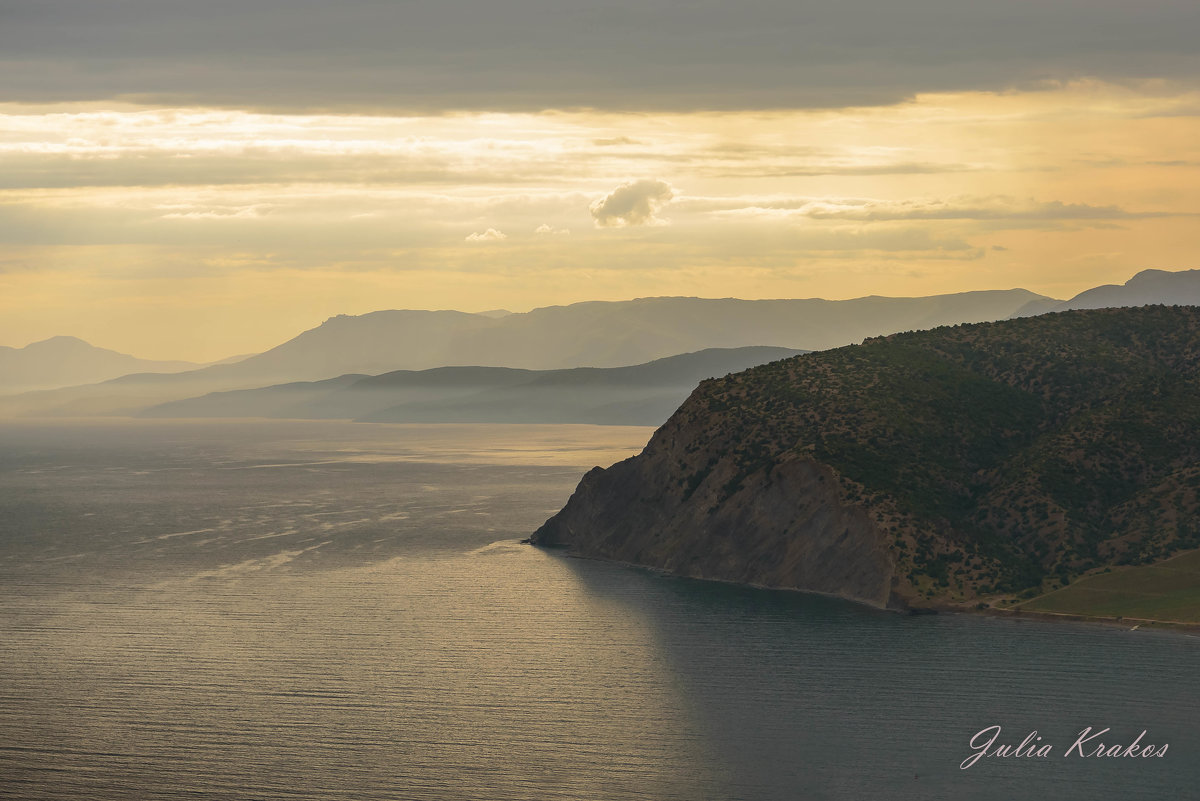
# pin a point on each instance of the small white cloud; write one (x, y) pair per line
(546, 229)
(490, 235)
(219, 213)
(633, 203)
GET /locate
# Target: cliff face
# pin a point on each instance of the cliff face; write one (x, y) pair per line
(786, 528)
(930, 467)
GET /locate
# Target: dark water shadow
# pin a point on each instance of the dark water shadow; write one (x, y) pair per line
(808, 697)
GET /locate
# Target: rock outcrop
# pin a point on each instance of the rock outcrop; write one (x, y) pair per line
(788, 527)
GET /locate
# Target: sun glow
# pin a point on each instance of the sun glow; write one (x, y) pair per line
(269, 222)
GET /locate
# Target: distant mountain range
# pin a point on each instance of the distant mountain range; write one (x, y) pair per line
(595, 334)
(644, 394)
(592, 334)
(65, 361)
(605, 334)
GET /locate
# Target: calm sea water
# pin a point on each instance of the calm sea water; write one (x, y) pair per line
(336, 611)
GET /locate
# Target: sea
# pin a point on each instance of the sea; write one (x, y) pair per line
(327, 610)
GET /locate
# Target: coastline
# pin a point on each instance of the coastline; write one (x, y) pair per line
(1070, 617)
(1015, 613)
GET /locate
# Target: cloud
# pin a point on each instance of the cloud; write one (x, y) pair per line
(545, 229)
(371, 55)
(997, 209)
(490, 235)
(189, 212)
(895, 240)
(615, 141)
(633, 203)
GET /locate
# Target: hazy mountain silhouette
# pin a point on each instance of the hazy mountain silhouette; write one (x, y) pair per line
(1149, 287)
(594, 333)
(643, 394)
(604, 334)
(68, 361)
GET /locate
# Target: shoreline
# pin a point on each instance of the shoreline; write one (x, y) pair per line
(1015, 613)
(1072, 617)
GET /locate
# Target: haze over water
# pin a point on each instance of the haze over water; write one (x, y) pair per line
(323, 610)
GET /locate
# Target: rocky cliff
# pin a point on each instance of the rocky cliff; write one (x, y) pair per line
(787, 527)
(933, 467)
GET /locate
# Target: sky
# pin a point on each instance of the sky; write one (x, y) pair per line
(196, 180)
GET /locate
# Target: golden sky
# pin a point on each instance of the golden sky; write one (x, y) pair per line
(197, 230)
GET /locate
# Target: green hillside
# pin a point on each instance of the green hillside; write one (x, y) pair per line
(999, 458)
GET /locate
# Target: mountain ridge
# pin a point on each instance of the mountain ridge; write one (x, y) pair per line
(1146, 287)
(642, 394)
(67, 360)
(591, 333)
(603, 333)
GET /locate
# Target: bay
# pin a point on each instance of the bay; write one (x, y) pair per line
(286, 610)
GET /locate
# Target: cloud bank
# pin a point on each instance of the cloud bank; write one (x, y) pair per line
(533, 54)
(999, 209)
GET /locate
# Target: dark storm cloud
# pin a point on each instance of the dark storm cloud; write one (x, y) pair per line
(528, 54)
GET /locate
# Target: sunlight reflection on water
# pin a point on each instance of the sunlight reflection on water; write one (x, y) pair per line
(368, 627)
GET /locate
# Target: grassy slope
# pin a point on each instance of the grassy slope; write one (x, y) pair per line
(1169, 590)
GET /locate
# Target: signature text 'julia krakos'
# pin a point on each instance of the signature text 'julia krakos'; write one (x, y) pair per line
(1089, 743)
